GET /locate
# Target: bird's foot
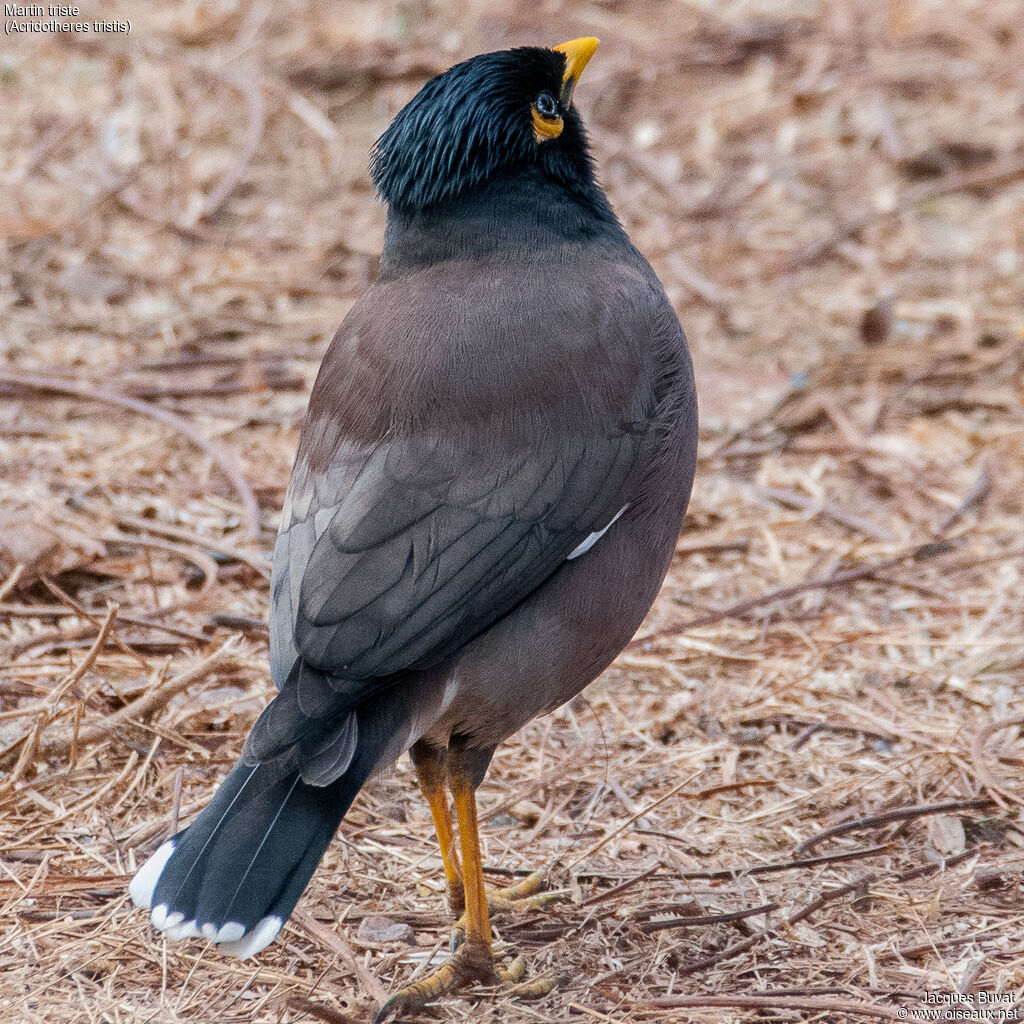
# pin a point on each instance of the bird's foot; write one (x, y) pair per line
(534, 892)
(472, 961)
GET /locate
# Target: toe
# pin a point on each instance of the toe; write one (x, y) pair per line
(513, 974)
(472, 961)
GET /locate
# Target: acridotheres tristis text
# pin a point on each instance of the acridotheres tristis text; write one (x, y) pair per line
(491, 476)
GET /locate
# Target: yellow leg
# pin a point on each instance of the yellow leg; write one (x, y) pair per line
(474, 959)
(478, 920)
(429, 764)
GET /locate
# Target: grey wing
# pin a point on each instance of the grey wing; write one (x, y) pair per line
(397, 555)
(400, 554)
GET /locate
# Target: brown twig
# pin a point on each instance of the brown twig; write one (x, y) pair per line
(617, 890)
(321, 1012)
(987, 779)
(859, 885)
(925, 948)
(203, 562)
(590, 851)
(142, 707)
(729, 874)
(829, 510)
(178, 533)
(929, 869)
(56, 637)
(214, 451)
(811, 729)
(206, 565)
(830, 1007)
(701, 920)
(47, 710)
(998, 173)
(96, 623)
(179, 776)
(836, 579)
(979, 491)
(334, 942)
(12, 580)
(895, 814)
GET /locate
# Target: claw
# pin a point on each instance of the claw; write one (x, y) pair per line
(530, 885)
(545, 882)
(471, 962)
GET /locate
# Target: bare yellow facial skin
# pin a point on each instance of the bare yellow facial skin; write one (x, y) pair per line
(545, 128)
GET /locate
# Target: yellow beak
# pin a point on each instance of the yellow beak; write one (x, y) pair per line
(577, 53)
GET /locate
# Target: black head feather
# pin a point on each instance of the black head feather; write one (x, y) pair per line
(472, 125)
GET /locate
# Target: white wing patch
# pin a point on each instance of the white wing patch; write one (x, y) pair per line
(588, 542)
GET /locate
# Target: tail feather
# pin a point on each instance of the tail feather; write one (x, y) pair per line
(235, 874)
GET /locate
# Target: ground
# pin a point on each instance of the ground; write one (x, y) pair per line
(799, 792)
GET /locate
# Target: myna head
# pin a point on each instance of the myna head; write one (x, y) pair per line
(498, 116)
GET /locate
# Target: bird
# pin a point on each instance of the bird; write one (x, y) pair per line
(491, 477)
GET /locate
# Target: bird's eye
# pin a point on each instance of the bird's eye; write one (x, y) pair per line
(547, 117)
(547, 105)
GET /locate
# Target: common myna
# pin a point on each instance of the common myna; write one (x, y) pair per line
(491, 477)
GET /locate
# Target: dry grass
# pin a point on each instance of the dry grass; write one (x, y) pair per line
(834, 197)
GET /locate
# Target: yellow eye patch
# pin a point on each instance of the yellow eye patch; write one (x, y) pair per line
(545, 127)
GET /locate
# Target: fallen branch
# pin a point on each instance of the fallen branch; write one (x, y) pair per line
(768, 1001)
(895, 814)
(138, 709)
(836, 579)
(214, 451)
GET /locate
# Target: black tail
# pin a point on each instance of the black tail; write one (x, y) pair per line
(235, 874)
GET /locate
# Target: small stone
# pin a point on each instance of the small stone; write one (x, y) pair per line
(85, 282)
(503, 821)
(877, 322)
(384, 929)
(946, 832)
